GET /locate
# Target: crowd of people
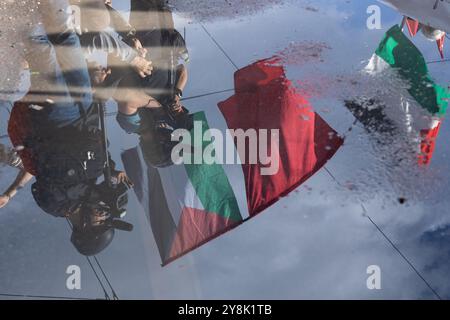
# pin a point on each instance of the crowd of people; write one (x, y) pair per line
(57, 129)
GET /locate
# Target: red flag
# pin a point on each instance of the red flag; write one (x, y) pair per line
(265, 99)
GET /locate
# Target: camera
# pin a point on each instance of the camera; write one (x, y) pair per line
(115, 198)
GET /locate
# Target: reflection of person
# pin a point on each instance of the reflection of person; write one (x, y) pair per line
(153, 93)
(55, 128)
(9, 157)
(164, 88)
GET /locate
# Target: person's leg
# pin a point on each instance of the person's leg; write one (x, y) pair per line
(144, 15)
(148, 18)
(68, 51)
(60, 78)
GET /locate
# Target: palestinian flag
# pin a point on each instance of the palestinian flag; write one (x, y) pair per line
(191, 204)
(415, 103)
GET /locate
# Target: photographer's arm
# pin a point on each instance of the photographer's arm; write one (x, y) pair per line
(21, 180)
(182, 77)
(117, 176)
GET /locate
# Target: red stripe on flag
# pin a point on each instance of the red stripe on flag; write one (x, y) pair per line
(195, 228)
(428, 144)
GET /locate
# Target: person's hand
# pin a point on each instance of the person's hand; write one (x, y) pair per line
(4, 200)
(98, 218)
(137, 45)
(121, 177)
(177, 100)
(176, 107)
(99, 74)
(142, 66)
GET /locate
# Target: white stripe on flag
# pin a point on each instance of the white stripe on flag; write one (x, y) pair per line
(234, 172)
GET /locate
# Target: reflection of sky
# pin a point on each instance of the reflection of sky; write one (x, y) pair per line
(314, 244)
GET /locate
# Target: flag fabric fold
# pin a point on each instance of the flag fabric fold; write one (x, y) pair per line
(266, 99)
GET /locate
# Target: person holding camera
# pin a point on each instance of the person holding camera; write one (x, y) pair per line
(55, 129)
(151, 106)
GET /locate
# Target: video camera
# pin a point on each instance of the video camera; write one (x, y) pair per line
(114, 196)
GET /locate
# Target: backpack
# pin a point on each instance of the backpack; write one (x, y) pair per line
(66, 156)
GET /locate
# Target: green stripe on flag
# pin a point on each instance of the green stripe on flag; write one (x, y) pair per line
(402, 55)
(211, 182)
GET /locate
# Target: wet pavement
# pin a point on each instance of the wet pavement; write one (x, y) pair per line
(367, 206)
